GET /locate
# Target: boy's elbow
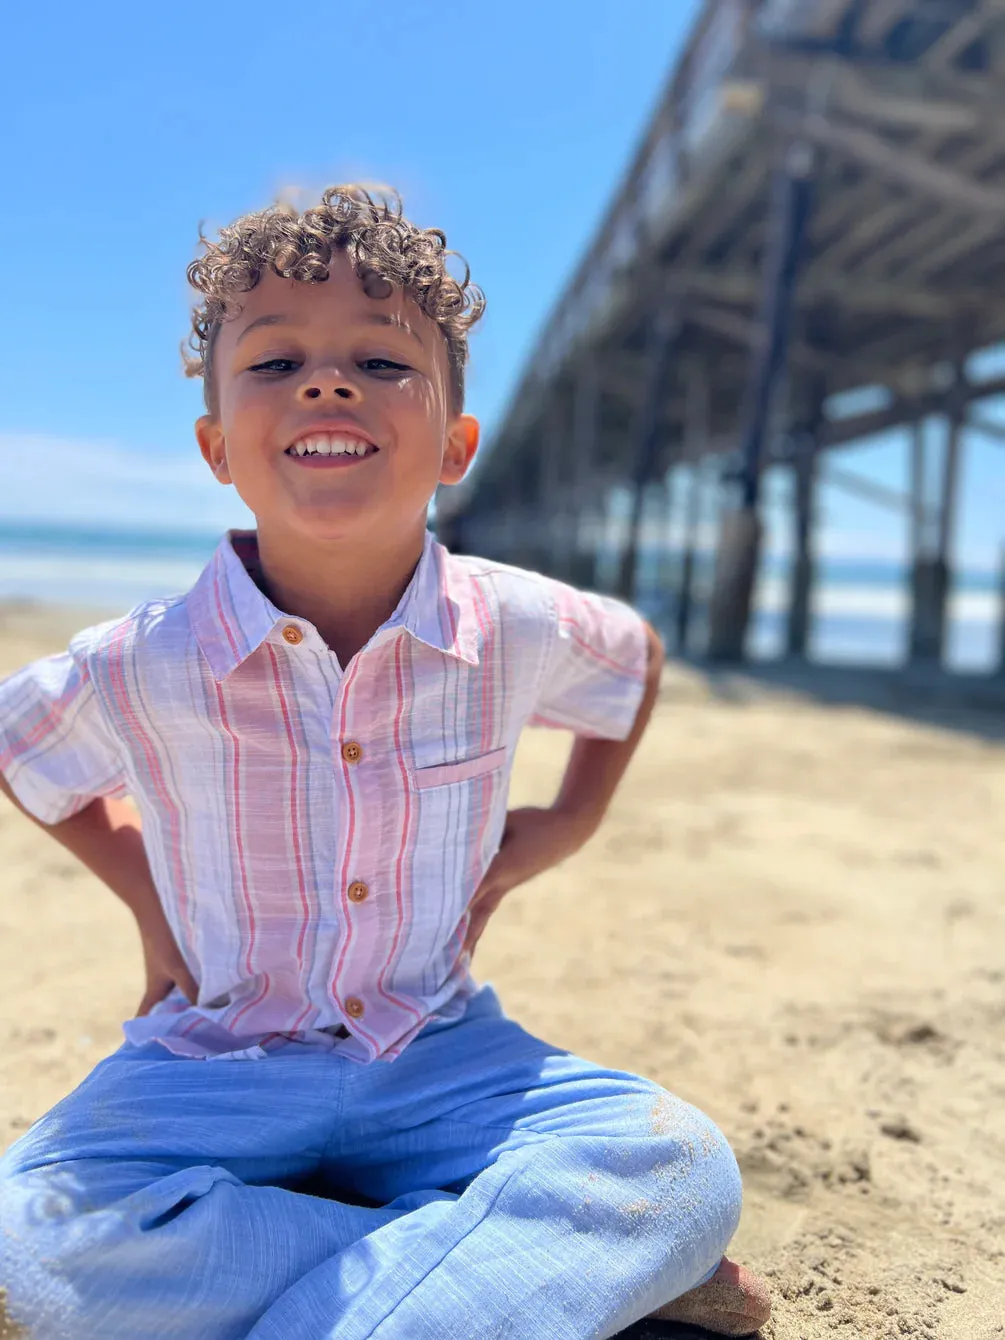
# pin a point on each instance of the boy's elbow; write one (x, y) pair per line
(656, 652)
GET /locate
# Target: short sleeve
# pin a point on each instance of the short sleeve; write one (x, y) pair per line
(57, 753)
(595, 673)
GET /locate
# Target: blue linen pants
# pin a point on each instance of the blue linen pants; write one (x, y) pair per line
(502, 1187)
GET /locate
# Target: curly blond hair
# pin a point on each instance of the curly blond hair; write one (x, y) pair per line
(385, 250)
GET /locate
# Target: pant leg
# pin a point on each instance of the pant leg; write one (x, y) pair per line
(586, 1197)
(155, 1202)
(576, 1199)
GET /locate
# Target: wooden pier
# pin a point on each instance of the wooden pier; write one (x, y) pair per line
(817, 206)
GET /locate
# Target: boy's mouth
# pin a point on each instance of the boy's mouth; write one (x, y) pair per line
(330, 449)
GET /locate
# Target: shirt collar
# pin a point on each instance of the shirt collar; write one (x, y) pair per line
(232, 617)
(438, 605)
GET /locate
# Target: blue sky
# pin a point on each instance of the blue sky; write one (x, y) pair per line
(507, 125)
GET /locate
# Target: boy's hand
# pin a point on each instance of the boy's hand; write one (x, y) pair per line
(108, 838)
(533, 841)
(163, 962)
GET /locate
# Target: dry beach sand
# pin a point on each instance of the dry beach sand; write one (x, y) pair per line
(794, 917)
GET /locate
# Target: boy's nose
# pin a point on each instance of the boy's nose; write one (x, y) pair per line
(329, 386)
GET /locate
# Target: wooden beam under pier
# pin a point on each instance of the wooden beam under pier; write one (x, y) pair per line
(748, 333)
(806, 473)
(739, 546)
(869, 489)
(836, 432)
(586, 405)
(896, 162)
(696, 432)
(665, 325)
(742, 286)
(928, 244)
(991, 427)
(967, 30)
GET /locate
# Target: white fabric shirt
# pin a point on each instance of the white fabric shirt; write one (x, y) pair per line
(316, 833)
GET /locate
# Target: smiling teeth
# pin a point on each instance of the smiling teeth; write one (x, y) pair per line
(325, 444)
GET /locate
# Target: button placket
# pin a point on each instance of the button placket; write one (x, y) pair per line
(358, 891)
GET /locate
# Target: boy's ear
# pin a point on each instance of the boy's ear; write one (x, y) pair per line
(462, 443)
(211, 441)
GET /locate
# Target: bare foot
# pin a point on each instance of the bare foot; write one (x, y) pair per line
(734, 1301)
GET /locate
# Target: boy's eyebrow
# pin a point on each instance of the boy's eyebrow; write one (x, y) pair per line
(374, 319)
(272, 319)
(382, 319)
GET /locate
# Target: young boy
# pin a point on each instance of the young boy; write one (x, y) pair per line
(319, 1126)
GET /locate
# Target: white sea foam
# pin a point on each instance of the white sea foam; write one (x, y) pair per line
(95, 582)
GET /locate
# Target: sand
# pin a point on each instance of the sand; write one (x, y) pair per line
(794, 917)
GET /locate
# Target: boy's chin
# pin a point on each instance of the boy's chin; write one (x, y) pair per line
(333, 527)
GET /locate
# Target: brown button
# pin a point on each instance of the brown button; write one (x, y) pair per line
(354, 1007)
(358, 891)
(292, 635)
(351, 752)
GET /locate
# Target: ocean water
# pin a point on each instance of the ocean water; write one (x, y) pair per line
(860, 608)
(97, 569)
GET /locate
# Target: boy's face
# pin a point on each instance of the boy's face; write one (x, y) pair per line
(327, 363)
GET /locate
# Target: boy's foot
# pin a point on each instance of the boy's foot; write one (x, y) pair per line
(734, 1301)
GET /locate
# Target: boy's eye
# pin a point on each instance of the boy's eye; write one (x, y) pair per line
(280, 365)
(384, 365)
(274, 365)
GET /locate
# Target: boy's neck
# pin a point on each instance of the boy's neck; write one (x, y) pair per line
(346, 589)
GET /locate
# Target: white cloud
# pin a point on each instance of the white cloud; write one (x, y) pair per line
(109, 484)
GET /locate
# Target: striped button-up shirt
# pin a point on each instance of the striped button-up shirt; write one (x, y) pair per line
(316, 832)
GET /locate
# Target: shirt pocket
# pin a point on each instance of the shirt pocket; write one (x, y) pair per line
(465, 771)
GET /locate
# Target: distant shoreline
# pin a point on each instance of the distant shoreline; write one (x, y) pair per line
(860, 608)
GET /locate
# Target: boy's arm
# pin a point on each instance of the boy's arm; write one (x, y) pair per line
(107, 838)
(596, 767)
(537, 839)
